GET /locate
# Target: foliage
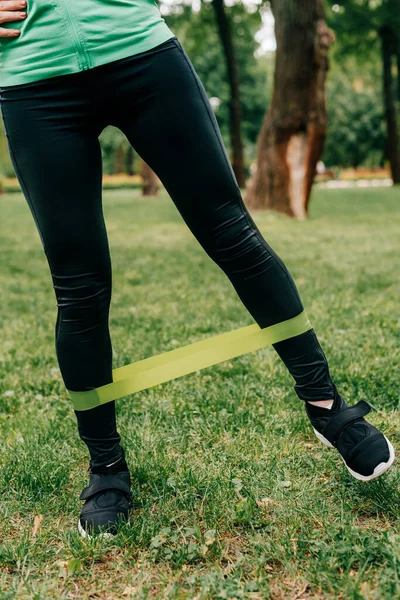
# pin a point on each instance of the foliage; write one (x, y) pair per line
(6, 167)
(111, 140)
(355, 89)
(198, 34)
(354, 98)
(356, 130)
(357, 24)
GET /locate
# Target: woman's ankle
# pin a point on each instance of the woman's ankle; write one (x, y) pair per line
(109, 464)
(322, 403)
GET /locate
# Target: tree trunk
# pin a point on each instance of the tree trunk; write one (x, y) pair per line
(398, 67)
(292, 136)
(397, 39)
(129, 161)
(150, 180)
(235, 110)
(392, 144)
(119, 160)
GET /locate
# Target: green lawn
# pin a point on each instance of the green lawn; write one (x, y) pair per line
(234, 496)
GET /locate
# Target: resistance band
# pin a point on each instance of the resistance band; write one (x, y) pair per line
(158, 369)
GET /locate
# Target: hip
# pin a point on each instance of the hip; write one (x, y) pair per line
(55, 42)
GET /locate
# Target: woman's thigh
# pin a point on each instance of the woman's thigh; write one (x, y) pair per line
(160, 104)
(52, 137)
(52, 133)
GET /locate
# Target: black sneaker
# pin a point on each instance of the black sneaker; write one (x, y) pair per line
(107, 500)
(366, 452)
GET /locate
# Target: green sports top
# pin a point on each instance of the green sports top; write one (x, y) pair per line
(59, 37)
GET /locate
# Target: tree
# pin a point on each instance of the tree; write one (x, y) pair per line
(150, 181)
(293, 133)
(393, 148)
(199, 35)
(356, 125)
(235, 109)
(120, 159)
(129, 160)
(364, 27)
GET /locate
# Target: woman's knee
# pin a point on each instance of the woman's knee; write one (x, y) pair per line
(83, 297)
(235, 243)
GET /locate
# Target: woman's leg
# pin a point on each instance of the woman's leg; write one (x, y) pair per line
(52, 133)
(160, 104)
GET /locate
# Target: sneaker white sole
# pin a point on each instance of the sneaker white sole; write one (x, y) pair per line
(87, 535)
(379, 469)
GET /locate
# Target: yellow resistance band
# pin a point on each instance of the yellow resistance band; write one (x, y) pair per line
(158, 369)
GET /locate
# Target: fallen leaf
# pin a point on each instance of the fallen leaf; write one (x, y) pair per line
(129, 590)
(264, 502)
(74, 565)
(36, 524)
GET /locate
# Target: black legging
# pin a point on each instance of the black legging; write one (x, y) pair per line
(157, 100)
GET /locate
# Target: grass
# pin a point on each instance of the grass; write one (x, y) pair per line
(234, 496)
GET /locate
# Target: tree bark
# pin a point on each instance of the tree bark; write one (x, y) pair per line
(150, 180)
(235, 110)
(293, 132)
(392, 145)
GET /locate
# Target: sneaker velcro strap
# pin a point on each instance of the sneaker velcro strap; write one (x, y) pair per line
(106, 482)
(339, 421)
(372, 443)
